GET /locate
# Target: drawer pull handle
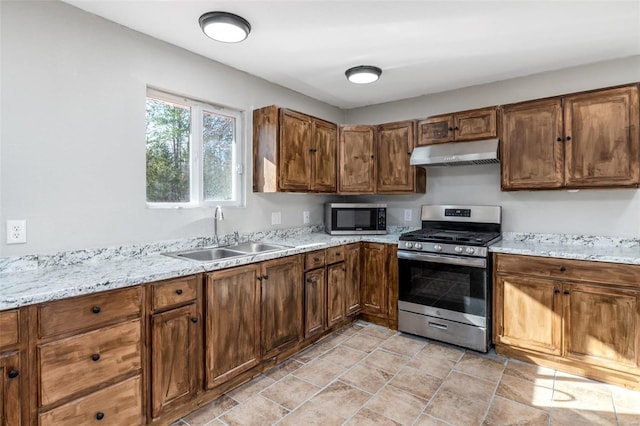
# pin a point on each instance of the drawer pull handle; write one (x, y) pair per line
(179, 291)
(95, 309)
(99, 415)
(13, 374)
(95, 357)
(438, 326)
(316, 259)
(194, 320)
(563, 269)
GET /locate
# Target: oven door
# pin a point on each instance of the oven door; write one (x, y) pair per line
(443, 286)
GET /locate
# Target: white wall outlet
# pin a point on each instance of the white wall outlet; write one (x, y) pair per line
(276, 218)
(407, 215)
(16, 231)
(305, 217)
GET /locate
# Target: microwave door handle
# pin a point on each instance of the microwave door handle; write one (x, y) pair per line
(438, 258)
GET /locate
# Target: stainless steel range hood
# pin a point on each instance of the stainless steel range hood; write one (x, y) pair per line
(456, 153)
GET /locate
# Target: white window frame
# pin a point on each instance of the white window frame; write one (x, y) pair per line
(195, 152)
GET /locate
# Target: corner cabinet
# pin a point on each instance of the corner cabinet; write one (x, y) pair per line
(394, 171)
(580, 316)
(586, 140)
(293, 152)
(458, 127)
(357, 160)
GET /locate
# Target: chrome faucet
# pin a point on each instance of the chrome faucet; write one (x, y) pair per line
(217, 215)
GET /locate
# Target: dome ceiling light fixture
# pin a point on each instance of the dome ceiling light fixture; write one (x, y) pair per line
(225, 27)
(363, 74)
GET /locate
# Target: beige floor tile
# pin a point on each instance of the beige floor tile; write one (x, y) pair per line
(438, 367)
(282, 369)
(426, 420)
(366, 417)
(397, 405)
(469, 387)
(334, 340)
(566, 381)
(480, 366)
(362, 342)
(319, 372)
(178, 423)
(455, 410)
(377, 331)
(387, 361)
(341, 399)
(416, 382)
(525, 392)
(541, 376)
(503, 412)
(583, 395)
(312, 353)
(255, 411)
(351, 329)
(311, 414)
(440, 351)
(343, 356)
(290, 392)
(366, 378)
(203, 415)
(574, 417)
(403, 344)
(251, 388)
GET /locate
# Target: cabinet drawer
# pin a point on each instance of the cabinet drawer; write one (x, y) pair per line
(120, 404)
(335, 254)
(174, 292)
(570, 270)
(78, 363)
(9, 334)
(314, 259)
(80, 313)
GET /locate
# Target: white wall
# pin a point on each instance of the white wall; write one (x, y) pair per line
(73, 123)
(594, 212)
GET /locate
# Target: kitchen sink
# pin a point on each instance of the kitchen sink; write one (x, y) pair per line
(257, 247)
(218, 253)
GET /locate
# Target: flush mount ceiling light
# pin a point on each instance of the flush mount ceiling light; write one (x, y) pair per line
(225, 27)
(363, 74)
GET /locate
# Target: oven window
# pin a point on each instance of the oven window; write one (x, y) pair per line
(456, 288)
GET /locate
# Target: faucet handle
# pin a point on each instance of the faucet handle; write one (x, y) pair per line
(236, 236)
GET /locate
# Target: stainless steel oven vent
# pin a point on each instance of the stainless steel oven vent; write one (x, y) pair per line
(456, 153)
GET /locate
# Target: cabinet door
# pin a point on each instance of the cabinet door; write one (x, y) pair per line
(601, 133)
(435, 130)
(395, 144)
(374, 279)
(532, 152)
(10, 379)
(294, 164)
(315, 306)
(352, 279)
(336, 278)
(174, 335)
(232, 323)
(281, 304)
(474, 125)
(357, 159)
(602, 326)
(528, 313)
(324, 157)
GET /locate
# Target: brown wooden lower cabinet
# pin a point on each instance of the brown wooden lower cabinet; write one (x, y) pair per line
(373, 282)
(580, 316)
(336, 284)
(315, 297)
(352, 279)
(10, 386)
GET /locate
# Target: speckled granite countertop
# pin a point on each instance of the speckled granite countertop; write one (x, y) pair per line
(579, 247)
(31, 280)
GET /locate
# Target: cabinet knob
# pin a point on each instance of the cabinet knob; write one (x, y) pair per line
(556, 291)
(95, 309)
(451, 129)
(316, 259)
(13, 374)
(456, 128)
(179, 291)
(563, 269)
(194, 320)
(372, 157)
(309, 280)
(558, 139)
(260, 278)
(408, 152)
(95, 357)
(567, 292)
(99, 415)
(266, 277)
(568, 138)
(338, 254)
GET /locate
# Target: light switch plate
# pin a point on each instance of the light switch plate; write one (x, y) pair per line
(276, 218)
(407, 215)
(305, 217)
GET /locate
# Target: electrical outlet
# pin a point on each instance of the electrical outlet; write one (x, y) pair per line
(16, 231)
(407, 215)
(305, 217)
(276, 218)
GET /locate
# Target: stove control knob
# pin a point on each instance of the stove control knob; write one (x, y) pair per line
(437, 247)
(417, 245)
(408, 245)
(469, 250)
(458, 249)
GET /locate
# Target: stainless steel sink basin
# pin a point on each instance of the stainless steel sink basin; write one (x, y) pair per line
(206, 255)
(257, 247)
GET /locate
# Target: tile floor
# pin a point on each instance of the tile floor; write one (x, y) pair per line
(370, 375)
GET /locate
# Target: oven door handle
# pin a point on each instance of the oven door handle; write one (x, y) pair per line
(440, 258)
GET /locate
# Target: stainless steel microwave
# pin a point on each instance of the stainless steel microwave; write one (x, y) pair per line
(355, 218)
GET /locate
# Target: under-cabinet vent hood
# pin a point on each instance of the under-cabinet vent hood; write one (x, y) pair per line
(456, 153)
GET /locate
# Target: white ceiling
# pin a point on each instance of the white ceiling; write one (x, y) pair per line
(422, 46)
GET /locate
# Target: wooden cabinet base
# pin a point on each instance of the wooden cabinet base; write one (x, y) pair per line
(590, 371)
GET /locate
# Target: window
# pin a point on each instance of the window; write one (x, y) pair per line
(193, 152)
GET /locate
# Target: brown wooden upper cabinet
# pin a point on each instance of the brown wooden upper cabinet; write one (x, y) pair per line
(357, 159)
(586, 140)
(293, 152)
(460, 126)
(394, 173)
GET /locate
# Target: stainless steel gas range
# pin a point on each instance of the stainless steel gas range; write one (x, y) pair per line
(444, 272)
